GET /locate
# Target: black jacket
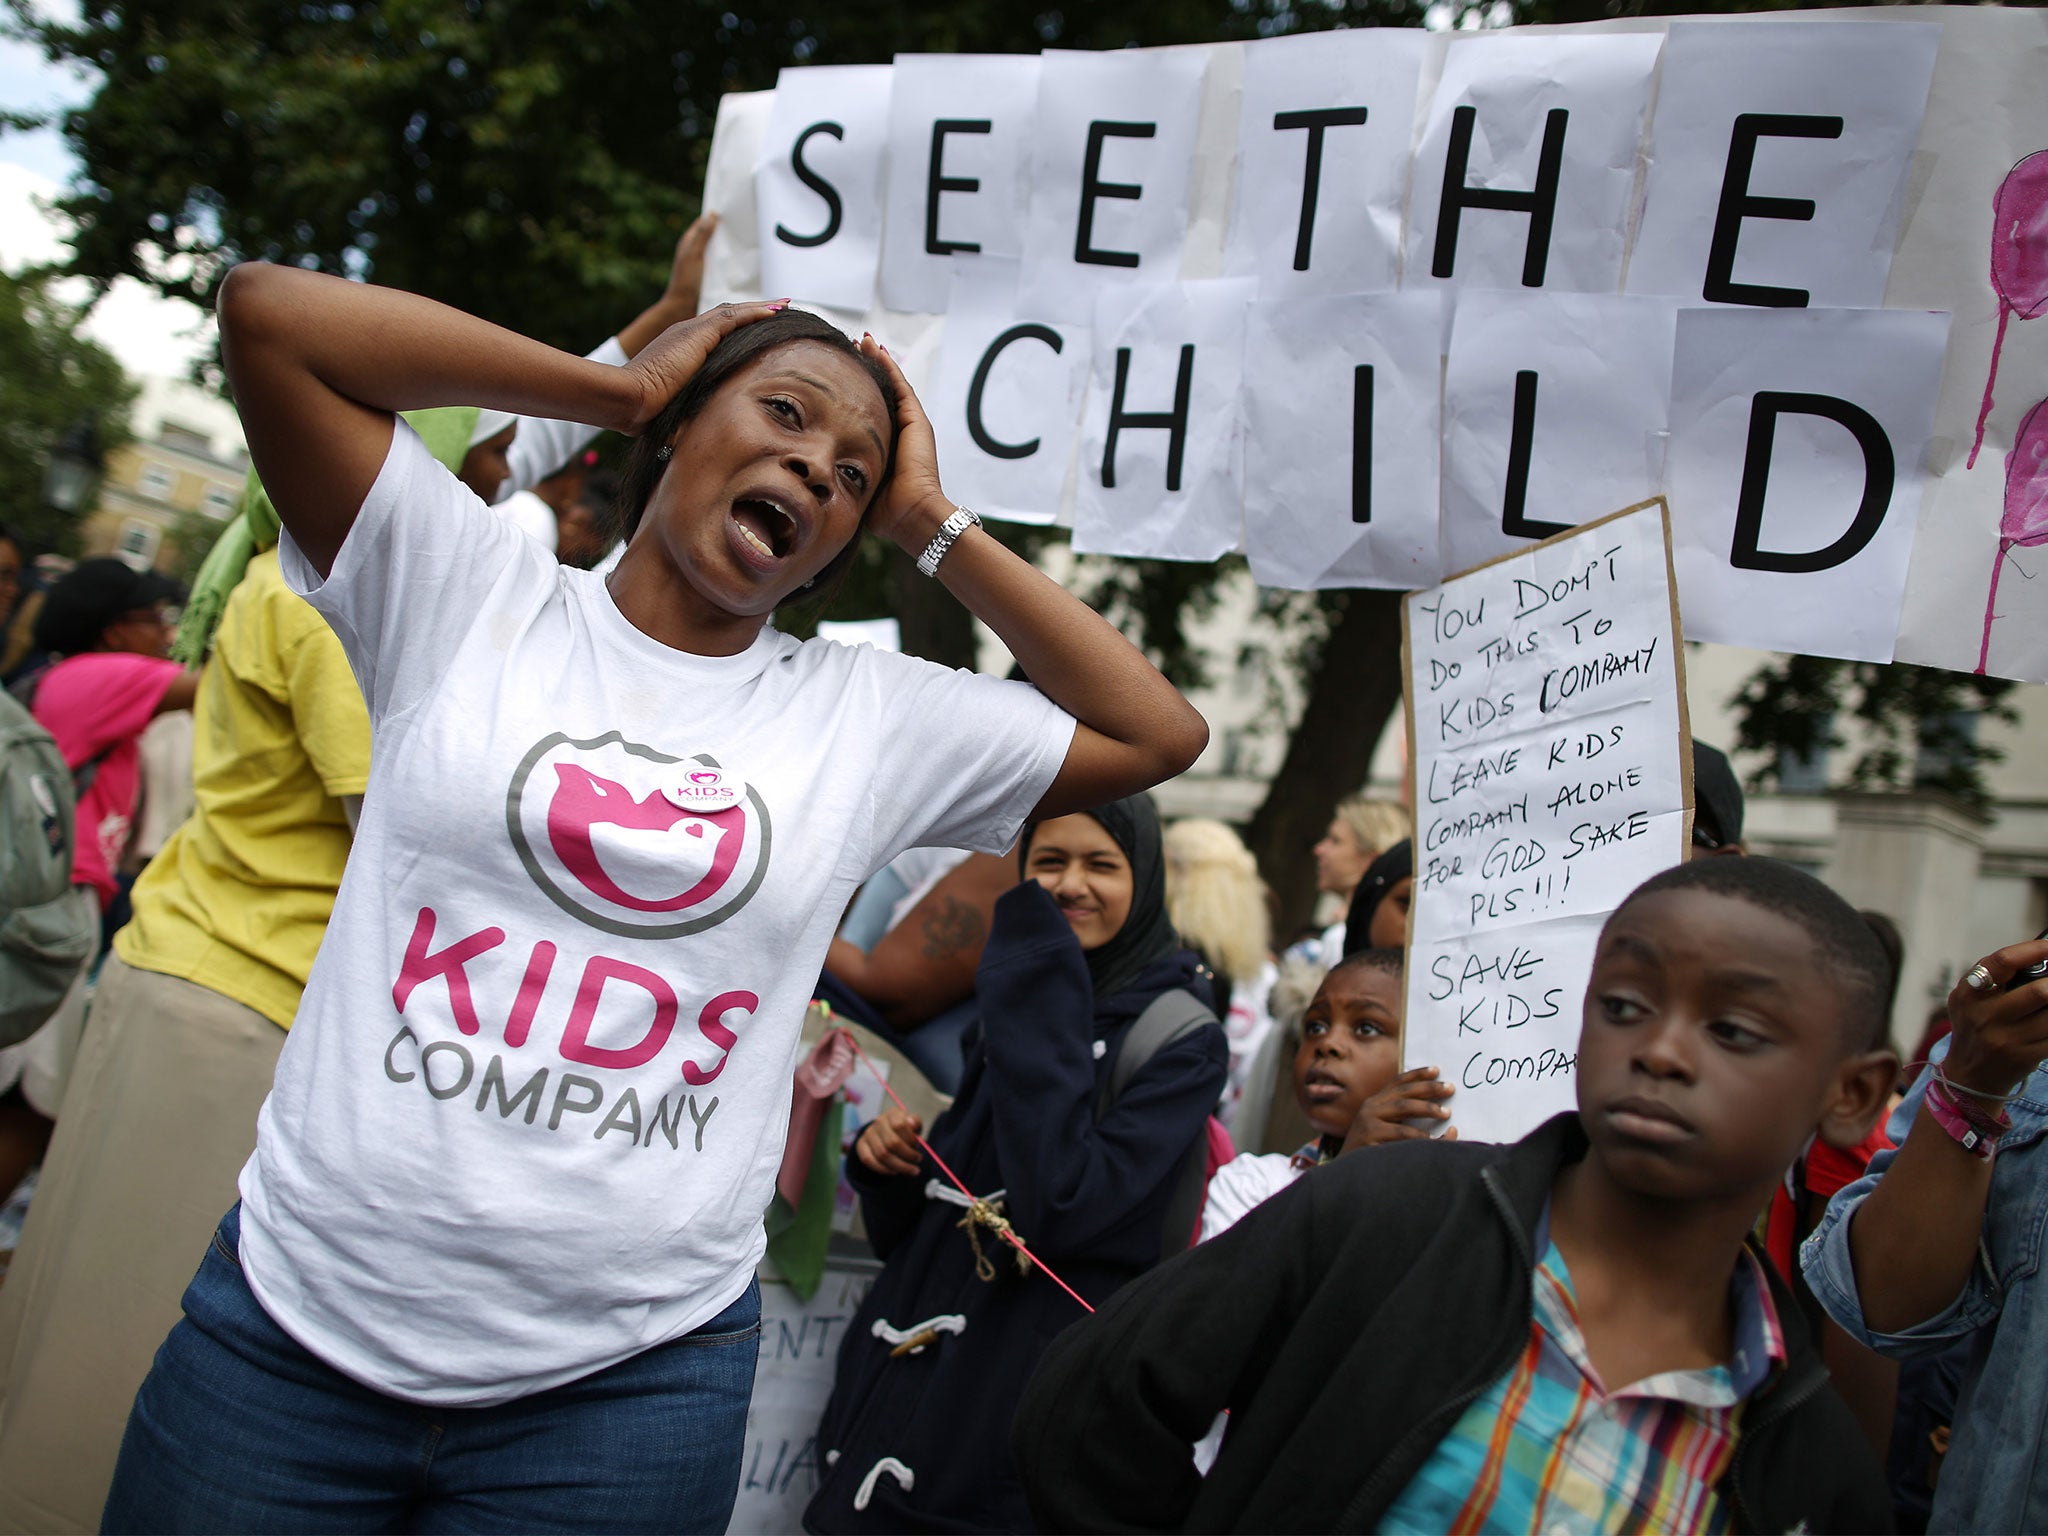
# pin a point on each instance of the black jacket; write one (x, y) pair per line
(1346, 1324)
(1088, 1197)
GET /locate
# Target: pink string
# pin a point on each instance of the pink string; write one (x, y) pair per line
(1004, 1233)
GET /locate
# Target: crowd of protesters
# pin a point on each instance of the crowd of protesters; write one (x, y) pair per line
(449, 1038)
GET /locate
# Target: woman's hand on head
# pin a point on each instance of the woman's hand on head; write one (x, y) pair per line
(888, 1144)
(2001, 1032)
(1414, 1095)
(911, 505)
(661, 368)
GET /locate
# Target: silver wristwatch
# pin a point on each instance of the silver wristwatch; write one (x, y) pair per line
(951, 529)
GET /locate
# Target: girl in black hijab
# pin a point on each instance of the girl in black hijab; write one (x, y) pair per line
(916, 1434)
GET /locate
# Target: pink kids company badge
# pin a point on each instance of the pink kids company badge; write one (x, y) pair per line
(703, 789)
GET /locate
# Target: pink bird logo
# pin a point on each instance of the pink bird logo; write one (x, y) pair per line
(634, 840)
(583, 801)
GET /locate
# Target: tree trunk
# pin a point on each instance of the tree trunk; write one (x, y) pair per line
(1356, 684)
(936, 624)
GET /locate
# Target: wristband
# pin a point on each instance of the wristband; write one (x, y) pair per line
(951, 529)
(1976, 1133)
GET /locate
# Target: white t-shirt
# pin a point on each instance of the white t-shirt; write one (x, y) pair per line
(1249, 1179)
(531, 1111)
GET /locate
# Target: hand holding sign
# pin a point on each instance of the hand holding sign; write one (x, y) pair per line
(1393, 1113)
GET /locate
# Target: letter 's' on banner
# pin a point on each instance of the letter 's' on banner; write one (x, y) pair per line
(820, 184)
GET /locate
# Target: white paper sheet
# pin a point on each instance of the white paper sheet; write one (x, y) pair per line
(1341, 234)
(1882, 370)
(1114, 156)
(1310, 475)
(1549, 782)
(959, 149)
(1514, 84)
(1865, 84)
(1596, 438)
(1192, 509)
(820, 184)
(1033, 375)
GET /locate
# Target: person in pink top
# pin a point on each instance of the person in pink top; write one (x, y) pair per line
(110, 629)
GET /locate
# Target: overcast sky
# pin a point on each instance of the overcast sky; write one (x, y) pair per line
(147, 333)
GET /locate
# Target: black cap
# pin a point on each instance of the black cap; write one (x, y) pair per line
(90, 596)
(1717, 799)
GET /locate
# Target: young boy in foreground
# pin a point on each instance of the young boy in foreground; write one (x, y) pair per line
(1420, 1340)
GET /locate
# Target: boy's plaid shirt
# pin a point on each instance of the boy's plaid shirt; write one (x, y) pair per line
(1548, 1449)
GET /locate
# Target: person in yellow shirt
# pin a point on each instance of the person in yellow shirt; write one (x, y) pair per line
(182, 1040)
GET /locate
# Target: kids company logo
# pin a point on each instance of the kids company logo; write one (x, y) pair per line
(634, 841)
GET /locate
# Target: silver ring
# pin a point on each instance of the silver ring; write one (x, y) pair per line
(1978, 979)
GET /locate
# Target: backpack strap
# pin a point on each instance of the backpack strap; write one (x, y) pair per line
(24, 691)
(1170, 1016)
(87, 771)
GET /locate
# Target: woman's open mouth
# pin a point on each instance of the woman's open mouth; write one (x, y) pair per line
(765, 527)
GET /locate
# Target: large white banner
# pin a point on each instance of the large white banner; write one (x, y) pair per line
(1855, 460)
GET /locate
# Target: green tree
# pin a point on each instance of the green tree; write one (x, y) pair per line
(1918, 724)
(52, 378)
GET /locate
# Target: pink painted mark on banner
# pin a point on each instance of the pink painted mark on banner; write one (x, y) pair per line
(2025, 521)
(2019, 260)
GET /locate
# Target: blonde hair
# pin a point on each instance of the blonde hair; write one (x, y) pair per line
(1376, 825)
(1215, 898)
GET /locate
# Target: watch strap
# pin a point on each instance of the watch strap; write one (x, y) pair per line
(961, 520)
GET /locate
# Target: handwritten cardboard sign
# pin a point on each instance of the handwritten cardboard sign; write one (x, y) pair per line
(1546, 707)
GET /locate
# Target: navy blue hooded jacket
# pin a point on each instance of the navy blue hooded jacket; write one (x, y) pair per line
(1089, 1197)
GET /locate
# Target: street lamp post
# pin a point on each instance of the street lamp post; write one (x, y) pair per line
(74, 464)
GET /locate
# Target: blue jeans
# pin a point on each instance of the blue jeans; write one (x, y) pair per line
(239, 1428)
